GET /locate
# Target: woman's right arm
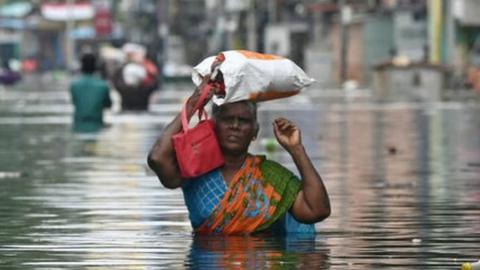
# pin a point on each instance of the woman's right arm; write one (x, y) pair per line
(161, 158)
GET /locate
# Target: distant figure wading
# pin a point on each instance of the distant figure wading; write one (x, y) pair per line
(90, 96)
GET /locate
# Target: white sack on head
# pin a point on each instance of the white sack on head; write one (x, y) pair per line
(254, 76)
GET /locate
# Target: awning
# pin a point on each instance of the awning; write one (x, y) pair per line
(84, 32)
(14, 24)
(15, 10)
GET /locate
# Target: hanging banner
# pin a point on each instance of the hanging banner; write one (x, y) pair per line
(103, 22)
(67, 11)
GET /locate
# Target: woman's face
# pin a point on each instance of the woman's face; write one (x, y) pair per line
(236, 126)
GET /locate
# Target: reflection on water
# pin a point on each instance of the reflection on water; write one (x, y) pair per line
(403, 180)
(257, 252)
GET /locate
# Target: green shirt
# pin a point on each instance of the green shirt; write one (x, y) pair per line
(90, 95)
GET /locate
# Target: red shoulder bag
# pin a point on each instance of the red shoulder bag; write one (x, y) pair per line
(197, 149)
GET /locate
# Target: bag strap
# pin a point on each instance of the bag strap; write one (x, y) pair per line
(205, 91)
(198, 106)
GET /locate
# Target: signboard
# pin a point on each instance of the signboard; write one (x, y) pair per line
(103, 22)
(65, 11)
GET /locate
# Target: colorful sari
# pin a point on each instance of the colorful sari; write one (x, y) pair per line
(259, 195)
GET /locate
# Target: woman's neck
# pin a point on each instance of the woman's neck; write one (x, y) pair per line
(235, 161)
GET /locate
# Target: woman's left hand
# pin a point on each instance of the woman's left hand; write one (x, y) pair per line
(287, 133)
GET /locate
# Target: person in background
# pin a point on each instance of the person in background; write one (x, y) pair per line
(137, 79)
(249, 193)
(90, 96)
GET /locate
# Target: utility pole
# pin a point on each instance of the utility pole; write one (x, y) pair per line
(69, 42)
(221, 24)
(252, 26)
(272, 11)
(346, 17)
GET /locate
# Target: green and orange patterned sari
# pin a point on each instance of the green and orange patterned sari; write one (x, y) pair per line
(259, 194)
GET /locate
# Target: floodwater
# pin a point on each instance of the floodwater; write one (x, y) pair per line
(403, 178)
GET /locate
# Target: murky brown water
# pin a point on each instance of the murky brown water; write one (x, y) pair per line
(404, 181)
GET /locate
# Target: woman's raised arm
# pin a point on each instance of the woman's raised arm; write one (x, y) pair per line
(312, 203)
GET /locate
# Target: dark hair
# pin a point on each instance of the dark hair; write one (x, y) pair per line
(89, 63)
(251, 105)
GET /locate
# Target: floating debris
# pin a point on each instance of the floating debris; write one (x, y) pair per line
(270, 144)
(471, 266)
(4, 175)
(416, 240)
